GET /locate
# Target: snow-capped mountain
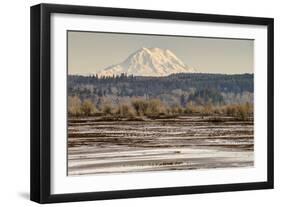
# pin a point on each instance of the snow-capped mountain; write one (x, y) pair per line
(148, 62)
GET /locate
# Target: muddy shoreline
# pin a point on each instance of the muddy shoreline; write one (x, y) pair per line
(182, 143)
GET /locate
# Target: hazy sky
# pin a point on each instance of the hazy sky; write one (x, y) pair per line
(89, 52)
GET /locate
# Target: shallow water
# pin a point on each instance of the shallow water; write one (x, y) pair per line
(183, 143)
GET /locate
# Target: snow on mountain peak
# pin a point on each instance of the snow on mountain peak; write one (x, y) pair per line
(148, 62)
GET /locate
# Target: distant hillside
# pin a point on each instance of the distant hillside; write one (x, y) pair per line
(172, 89)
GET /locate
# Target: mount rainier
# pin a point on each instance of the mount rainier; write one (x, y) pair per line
(148, 62)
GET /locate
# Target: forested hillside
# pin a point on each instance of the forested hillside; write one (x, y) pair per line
(177, 89)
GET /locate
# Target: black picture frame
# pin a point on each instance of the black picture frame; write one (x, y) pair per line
(40, 184)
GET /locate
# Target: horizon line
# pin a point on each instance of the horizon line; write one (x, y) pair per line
(94, 74)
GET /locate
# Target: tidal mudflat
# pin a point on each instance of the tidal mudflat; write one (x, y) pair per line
(97, 145)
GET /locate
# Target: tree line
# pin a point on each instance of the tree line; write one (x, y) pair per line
(124, 85)
(155, 108)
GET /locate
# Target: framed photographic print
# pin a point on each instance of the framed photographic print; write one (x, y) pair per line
(133, 103)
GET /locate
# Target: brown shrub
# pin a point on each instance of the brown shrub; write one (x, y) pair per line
(155, 108)
(240, 111)
(208, 109)
(140, 106)
(74, 106)
(191, 108)
(125, 110)
(107, 109)
(88, 108)
(177, 110)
